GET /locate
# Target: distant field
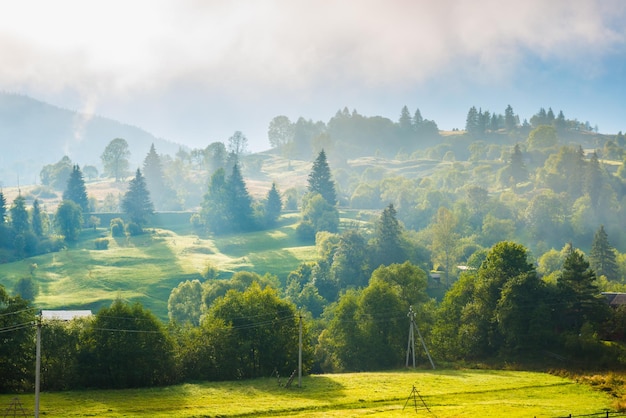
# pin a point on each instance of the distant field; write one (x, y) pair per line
(148, 267)
(446, 393)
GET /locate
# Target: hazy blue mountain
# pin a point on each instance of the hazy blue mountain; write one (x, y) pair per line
(34, 133)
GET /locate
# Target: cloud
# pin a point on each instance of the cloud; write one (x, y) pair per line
(117, 51)
(124, 47)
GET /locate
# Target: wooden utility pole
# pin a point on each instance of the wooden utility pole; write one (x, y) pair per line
(300, 352)
(38, 366)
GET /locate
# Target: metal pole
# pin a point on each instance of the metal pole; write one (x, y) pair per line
(38, 366)
(300, 353)
(411, 344)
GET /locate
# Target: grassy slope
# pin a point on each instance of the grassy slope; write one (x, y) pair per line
(147, 268)
(448, 393)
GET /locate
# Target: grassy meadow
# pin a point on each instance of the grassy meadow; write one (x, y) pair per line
(146, 268)
(446, 393)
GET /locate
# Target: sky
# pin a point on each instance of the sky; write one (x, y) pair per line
(194, 72)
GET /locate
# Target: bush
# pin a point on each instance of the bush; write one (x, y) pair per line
(102, 244)
(133, 229)
(117, 227)
(305, 231)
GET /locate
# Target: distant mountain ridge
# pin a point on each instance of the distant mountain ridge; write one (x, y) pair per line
(34, 133)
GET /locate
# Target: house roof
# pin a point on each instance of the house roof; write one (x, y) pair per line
(615, 298)
(63, 315)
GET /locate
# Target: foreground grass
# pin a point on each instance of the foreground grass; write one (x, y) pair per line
(447, 393)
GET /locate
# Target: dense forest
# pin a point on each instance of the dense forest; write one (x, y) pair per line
(501, 238)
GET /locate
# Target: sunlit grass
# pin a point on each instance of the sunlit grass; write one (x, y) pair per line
(446, 393)
(146, 268)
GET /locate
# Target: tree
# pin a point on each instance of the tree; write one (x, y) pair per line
(505, 261)
(542, 137)
(444, 243)
(185, 303)
(126, 347)
(273, 205)
(471, 121)
(239, 202)
(162, 196)
(56, 175)
(280, 131)
(36, 219)
(320, 179)
(263, 332)
(115, 158)
(387, 243)
(3, 208)
(76, 190)
(136, 202)
(593, 180)
(69, 218)
(16, 351)
(580, 299)
(517, 168)
(602, 256)
(350, 265)
(214, 211)
(215, 156)
(510, 122)
(19, 216)
(317, 215)
(237, 144)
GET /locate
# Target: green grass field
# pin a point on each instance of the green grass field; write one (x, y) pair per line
(146, 268)
(446, 393)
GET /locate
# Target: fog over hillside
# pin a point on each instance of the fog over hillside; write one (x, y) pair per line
(34, 133)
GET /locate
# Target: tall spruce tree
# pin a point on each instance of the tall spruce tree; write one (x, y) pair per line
(3, 208)
(19, 216)
(76, 190)
(214, 209)
(273, 205)
(162, 196)
(239, 202)
(517, 167)
(37, 219)
(320, 180)
(579, 295)
(387, 248)
(136, 202)
(602, 256)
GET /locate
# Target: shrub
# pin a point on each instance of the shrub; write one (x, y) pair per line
(117, 227)
(133, 229)
(305, 231)
(102, 244)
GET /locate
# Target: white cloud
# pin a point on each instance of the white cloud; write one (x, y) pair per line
(118, 50)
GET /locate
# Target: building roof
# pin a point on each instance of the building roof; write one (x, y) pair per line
(615, 298)
(64, 315)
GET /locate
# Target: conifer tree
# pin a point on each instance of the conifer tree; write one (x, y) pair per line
(239, 202)
(509, 119)
(19, 216)
(160, 194)
(387, 242)
(517, 167)
(136, 202)
(36, 219)
(76, 190)
(3, 208)
(273, 205)
(580, 295)
(320, 180)
(214, 212)
(602, 256)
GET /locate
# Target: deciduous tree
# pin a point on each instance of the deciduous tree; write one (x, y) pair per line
(69, 218)
(115, 158)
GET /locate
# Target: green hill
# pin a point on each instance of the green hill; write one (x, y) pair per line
(146, 268)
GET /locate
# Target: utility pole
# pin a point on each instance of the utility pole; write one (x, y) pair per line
(38, 366)
(300, 351)
(411, 345)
